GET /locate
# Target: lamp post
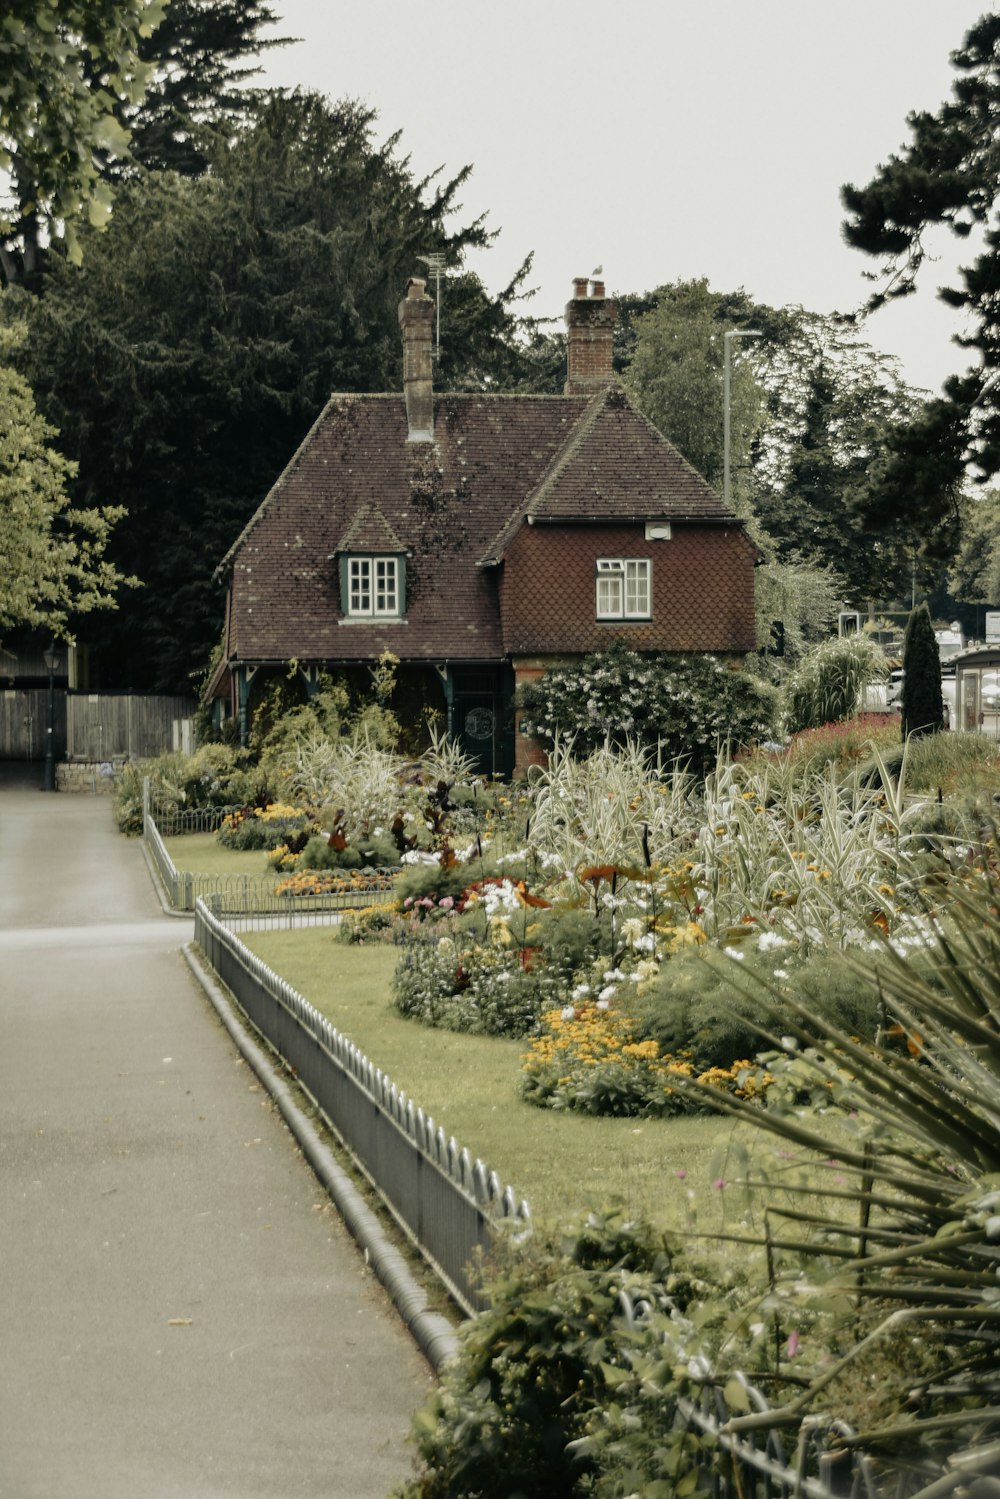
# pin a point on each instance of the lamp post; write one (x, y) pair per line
(727, 366)
(50, 657)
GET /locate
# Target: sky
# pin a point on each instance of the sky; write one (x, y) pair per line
(659, 139)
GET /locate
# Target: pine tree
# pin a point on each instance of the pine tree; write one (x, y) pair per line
(921, 701)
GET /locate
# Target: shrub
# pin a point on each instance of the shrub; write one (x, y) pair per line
(482, 988)
(590, 1058)
(699, 1006)
(518, 1408)
(681, 706)
(320, 853)
(252, 828)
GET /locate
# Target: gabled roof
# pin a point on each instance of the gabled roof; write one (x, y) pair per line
(613, 466)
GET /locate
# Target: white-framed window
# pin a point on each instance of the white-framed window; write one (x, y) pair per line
(623, 588)
(372, 585)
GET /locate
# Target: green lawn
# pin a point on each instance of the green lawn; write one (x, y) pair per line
(559, 1162)
(202, 853)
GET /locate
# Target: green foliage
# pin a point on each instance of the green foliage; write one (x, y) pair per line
(834, 406)
(921, 702)
(53, 562)
(478, 987)
(696, 1006)
(202, 54)
(66, 65)
(806, 597)
(216, 775)
(682, 707)
(261, 827)
(974, 576)
(519, 1408)
(319, 853)
(946, 174)
(827, 683)
(910, 1124)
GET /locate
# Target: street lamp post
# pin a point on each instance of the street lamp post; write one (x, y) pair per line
(727, 365)
(50, 657)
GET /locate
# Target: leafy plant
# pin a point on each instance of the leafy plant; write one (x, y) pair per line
(909, 1247)
(515, 1409)
(826, 685)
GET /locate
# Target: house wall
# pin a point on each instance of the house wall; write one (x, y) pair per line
(703, 590)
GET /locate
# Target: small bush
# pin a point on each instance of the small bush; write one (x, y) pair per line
(695, 1006)
(515, 1411)
(253, 828)
(483, 989)
(680, 706)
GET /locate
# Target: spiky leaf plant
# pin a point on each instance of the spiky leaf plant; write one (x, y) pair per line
(907, 1236)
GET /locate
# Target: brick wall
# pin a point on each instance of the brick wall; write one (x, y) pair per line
(702, 584)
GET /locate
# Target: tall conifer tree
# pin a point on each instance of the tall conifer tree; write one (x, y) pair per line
(921, 702)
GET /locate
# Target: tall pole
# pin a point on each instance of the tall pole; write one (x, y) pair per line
(727, 366)
(49, 657)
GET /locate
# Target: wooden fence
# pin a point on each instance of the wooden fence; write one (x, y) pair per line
(92, 727)
(108, 726)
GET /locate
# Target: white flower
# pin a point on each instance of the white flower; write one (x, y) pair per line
(607, 993)
(781, 973)
(603, 1004)
(568, 1012)
(768, 940)
(581, 991)
(734, 952)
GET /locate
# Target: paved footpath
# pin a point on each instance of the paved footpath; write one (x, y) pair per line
(182, 1314)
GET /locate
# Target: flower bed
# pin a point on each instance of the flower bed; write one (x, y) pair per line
(590, 1057)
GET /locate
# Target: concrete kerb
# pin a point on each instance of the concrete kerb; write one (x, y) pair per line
(432, 1332)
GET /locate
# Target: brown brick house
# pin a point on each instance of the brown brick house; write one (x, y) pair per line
(480, 538)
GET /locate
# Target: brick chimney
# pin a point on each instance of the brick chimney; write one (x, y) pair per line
(590, 329)
(416, 321)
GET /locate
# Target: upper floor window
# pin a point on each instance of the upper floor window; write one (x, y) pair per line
(373, 585)
(623, 588)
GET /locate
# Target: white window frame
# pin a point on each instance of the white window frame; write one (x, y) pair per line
(624, 588)
(373, 587)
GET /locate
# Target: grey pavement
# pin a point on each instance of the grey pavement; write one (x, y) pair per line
(182, 1314)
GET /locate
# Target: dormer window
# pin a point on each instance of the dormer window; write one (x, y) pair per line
(623, 590)
(373, 587)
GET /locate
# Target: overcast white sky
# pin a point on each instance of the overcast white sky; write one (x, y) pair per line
(658, 138)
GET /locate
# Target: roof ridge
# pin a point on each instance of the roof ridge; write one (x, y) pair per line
(583, 425)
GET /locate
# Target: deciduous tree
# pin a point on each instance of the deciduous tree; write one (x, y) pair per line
(65, 68)
(52, 553)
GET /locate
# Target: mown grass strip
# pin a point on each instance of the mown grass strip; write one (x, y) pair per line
(663, 1170)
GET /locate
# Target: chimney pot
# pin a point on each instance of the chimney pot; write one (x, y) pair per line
(590, 333)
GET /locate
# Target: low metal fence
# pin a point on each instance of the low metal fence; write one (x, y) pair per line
(447, 1202)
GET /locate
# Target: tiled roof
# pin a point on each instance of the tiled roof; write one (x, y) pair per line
(369, 531)
(614, 465)
(356, 482)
